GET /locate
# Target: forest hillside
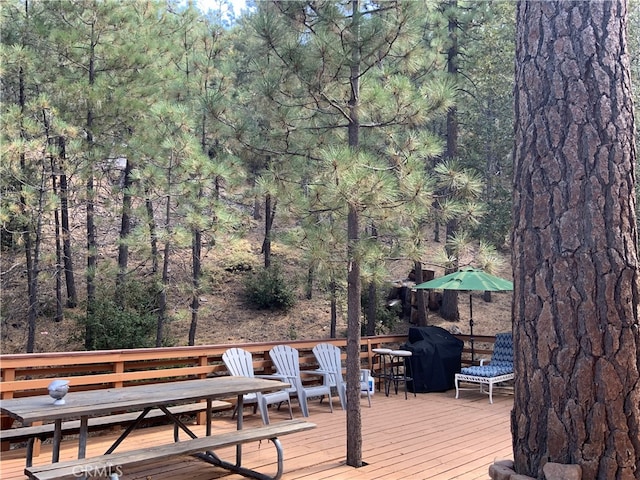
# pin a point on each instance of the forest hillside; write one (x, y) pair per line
(225, 315)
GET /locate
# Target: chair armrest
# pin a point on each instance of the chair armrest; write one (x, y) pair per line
(273, 376)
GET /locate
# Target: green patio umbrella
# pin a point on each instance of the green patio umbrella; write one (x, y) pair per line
(468, 279)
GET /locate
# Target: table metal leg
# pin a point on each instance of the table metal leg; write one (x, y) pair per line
(57, 438)
(30, 444)
(239, 427)
(84, 434)
(247, 472)
(208, 417)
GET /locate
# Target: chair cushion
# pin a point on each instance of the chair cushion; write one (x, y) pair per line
(503, 349)
(487, 370)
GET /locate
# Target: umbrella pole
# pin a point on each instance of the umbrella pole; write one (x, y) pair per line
(471, 327)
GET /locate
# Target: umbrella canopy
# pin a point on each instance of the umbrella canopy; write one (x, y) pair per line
(467, 280)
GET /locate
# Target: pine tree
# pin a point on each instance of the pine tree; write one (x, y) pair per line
(575, 243)
(358, 82)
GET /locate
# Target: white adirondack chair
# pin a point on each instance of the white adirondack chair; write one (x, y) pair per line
(239, 362)
(365, 375)
(328, 357)
(287, 363)
(330, 362)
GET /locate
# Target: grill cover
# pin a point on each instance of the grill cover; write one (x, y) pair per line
(436, 359)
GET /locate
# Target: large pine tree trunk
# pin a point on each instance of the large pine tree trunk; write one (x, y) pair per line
(449, 308)
(576, 330)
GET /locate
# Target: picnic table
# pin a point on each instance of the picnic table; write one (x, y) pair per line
(144, 398)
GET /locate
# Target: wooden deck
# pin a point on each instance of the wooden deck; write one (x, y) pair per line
(431, 436)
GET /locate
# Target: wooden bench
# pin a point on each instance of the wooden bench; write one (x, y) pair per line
(42, 432)
(114, 464)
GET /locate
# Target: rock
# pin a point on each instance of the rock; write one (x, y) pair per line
(559, 471)
(500, 472)
(505, 463)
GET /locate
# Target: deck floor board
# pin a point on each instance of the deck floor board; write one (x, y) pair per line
(429, 437)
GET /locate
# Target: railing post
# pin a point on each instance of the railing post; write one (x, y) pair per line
(8, 375)
(118, 367)
(201, 417)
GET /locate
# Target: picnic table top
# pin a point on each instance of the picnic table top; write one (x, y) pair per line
(105, 401)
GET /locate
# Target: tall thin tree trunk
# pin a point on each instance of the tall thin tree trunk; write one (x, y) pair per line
(269, 214)
(575, 243)
(333, 291)
(92, 245)
(125, 229)
(56, 216)
(196, 260)
(309, 284)
(421, 305)
(449, 307)
(58, 269)
(32, 279)
(153, 234)
(58, 236)
(354, 287)
(162, 304)
(69, 273)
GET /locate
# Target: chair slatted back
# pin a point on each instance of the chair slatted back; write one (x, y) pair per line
(328, 357)
(287, 363)
(239, 362)
(503, 350)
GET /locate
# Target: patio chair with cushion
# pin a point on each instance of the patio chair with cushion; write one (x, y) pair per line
(499, 369)
(287, 363)
(239, 362)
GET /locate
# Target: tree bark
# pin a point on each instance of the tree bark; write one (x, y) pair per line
(421, 305)
(269, 215)
(575, 253)
(125, 229)
(196, 261)
(69, 274)
(449, 309)
(30, 257)
(92, 244)
(354, 287)
(153, 234)
(57, 229)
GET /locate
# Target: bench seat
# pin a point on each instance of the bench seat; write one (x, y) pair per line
(114, 464)
(95, 423)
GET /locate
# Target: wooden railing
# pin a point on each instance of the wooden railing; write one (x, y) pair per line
(29, 374)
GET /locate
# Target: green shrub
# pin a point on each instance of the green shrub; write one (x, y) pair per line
(127, 323)
(268, 289)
